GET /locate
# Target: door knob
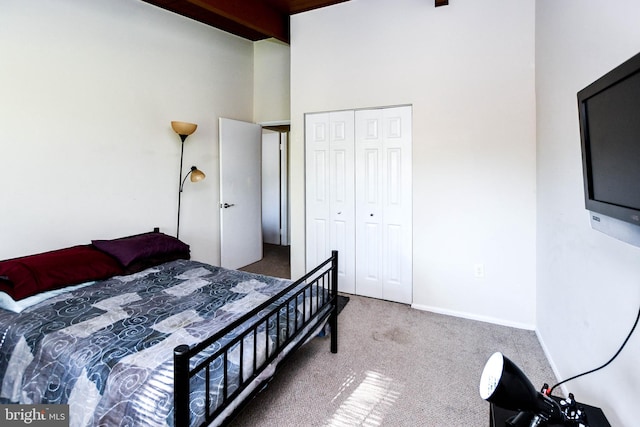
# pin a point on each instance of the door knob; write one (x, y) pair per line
(227, 205)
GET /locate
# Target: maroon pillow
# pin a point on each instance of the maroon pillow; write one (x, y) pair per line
(148, 262)
(26, 276)
(140, 247)
(13, 271)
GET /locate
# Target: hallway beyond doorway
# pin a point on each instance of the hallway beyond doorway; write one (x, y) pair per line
(276, 262)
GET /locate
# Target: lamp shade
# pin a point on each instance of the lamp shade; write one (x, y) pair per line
(197, 174)
(184, 128)
(505, 385)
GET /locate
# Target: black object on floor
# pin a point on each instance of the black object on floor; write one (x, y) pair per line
(498, 417)
(342, 302)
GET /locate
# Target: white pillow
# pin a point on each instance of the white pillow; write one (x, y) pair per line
(10, 304)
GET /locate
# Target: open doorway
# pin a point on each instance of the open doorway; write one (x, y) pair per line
(276, 259)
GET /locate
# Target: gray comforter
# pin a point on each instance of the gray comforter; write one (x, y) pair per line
(107, 349)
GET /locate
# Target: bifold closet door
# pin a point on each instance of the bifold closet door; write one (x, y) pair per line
(329, 177)
(383, 203)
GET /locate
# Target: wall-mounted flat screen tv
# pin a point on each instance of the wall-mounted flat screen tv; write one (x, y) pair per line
(609, 112)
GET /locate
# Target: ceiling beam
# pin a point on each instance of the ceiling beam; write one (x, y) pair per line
(254, 14)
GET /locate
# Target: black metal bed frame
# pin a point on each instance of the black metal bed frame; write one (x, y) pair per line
(323, 278)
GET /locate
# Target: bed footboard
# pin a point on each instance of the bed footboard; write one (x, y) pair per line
(233, 370)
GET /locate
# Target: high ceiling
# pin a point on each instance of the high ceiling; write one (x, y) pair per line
(250, 19)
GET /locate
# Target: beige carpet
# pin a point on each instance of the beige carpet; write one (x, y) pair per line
(275, 262)
(395, 366)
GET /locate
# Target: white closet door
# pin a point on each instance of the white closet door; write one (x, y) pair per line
(383, 203)
(329, 139)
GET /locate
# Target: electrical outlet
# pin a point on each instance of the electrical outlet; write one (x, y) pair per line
(478, 270)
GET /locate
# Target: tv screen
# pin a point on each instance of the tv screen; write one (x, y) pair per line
(609, 112)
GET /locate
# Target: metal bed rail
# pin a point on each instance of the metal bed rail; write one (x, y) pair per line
(317, 297)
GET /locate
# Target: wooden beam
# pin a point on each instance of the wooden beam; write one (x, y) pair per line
(254, 14)
(442, 2)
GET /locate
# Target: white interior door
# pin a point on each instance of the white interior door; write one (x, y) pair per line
(271, 187)
(284, 189)
(384, 204)
(240, 193)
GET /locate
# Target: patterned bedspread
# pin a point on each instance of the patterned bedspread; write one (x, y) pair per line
(107, 349)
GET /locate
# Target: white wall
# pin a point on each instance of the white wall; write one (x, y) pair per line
(272, 60)
(88, 91)
(588, 283)
(468, 71)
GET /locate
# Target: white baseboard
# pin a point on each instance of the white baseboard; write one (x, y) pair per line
(471, 316)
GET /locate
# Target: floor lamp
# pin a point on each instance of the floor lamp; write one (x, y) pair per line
(184, 129)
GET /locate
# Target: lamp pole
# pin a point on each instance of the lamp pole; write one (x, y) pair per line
(182, 137)
(184, 129)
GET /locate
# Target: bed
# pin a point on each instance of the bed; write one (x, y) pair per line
(132, 332)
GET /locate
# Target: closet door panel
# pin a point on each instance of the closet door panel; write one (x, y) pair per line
(397, 201)
(383, 197)
(329, 192)
(317, 187)
(341, 205)
(369, 219)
